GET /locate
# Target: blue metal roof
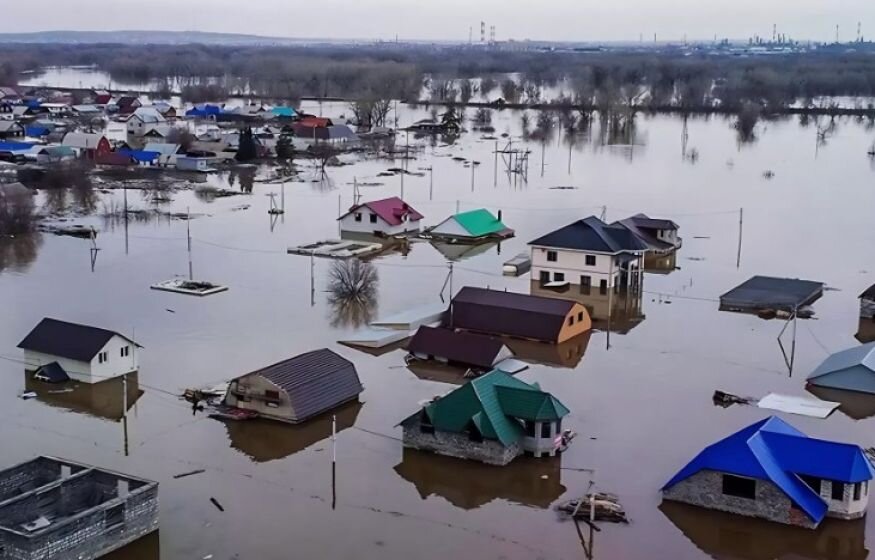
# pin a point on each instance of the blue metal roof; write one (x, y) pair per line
(16, 146)
(859, 356)
(35, 131)
(284, 112)
(775, 451)
(141, 156)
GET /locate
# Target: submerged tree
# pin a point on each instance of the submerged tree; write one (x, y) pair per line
(745, 124)
(483, 117)
(16, 210)
(352, 292)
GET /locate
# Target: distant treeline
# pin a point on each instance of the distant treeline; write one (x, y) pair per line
(593, 80)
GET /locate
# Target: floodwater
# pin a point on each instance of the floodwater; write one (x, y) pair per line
(640, 396)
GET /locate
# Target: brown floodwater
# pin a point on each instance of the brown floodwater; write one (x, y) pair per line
(639, 387)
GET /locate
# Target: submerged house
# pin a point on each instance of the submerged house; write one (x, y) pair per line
(589, 253)
(457, 348)
(772, 471)
(389, 216)
(762, 293)
(492, 419)
(86, 354)
(850, 370)
(661, 238)
(472, 226)
(53, 509)
(297, 389)
(516, 315)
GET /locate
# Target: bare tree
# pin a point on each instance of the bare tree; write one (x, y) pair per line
(510, 91)
(352, 280)
(181, 136)
(467, 90)
(323, 153)
(16, 209)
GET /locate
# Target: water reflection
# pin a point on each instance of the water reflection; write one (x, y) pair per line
(469, 485)
(441, 373)
(619, 312)
(18, 253)
(101, 400)
(265, 440)
(146, 548)
(462, 251)
(723, 535)
(565, 355)
(852, 404)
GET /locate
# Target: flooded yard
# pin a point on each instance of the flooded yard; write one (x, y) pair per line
(639, 388)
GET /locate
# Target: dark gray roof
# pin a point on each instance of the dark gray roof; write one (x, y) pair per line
(766, 292)
(592, 234)
(53, 373)
(869, 293)
(508, 313)
(67, 340)
(315, 382)
(645, 229)
(646, 222)
(459, 347)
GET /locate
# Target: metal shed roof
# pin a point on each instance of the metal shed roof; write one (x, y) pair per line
(459, 347)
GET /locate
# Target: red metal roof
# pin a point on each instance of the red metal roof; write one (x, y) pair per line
(394, 211)
(315, 122)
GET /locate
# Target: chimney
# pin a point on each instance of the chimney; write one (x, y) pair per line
(499, 215)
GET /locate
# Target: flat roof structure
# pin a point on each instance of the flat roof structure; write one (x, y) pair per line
(766, 292)
(53, 509)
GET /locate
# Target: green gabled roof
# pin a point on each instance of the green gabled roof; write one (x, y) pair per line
(530, 404)
(493, 402)
(480, 222)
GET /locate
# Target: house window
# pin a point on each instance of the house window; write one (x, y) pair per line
(580, 316)
(858, 491)
(373, 218)
(559, 277)
(545, 430)
(272, 398)
(125, 351)
(530, 428)
(552, 256)
(838, 490)
(474, 434)
(603, 286)
(813, 482)
(866, 488)
(103, 357)
(544, 276)
(586, 281)
(358, 216)
(590, 260)
(739, 487)
(571, 320)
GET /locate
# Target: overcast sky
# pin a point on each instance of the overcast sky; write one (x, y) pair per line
(585, 20)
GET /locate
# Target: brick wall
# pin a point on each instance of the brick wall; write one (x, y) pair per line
(458, 445)
(705, 489)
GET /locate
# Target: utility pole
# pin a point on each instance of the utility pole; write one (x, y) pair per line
(126, 217)
(430, 182)
(188, 233)
(125, 410)
(740, 229)
(313, 278)
(333, 461)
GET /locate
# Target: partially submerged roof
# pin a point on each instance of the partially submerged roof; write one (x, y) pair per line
(315, 382)
(852, 369)
(869, 293)
(52, 373)
(459, 347)
(509, 313)
(592, 234)
(478, 223)
(766, 292)
(68, 340)
(646, 229)
(493, 403)
(775, 451)
(393, 211)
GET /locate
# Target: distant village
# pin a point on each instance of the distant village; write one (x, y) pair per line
(578, 271)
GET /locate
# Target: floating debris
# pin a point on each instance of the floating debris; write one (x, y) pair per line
(768, 174)
(189, 287)
(82, 232)
(725, 400)
(190, 473)
(519, 265)
(563, 188)
(599, 506)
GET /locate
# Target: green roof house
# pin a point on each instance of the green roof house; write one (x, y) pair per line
(474, 225)
(492, 419)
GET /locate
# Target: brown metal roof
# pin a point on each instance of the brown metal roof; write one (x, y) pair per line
(509, 313)
(458, 347)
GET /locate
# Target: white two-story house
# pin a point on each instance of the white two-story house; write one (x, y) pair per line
(588, 253)
(86, 354)
(390, 216)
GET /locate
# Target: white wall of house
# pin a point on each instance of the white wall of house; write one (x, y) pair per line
(115, 364)
(667, 235)
(540, 445)
(848, 506)
(360, 221)
(573, 265)
(80, 371)
(136, 126)
(450, 228)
